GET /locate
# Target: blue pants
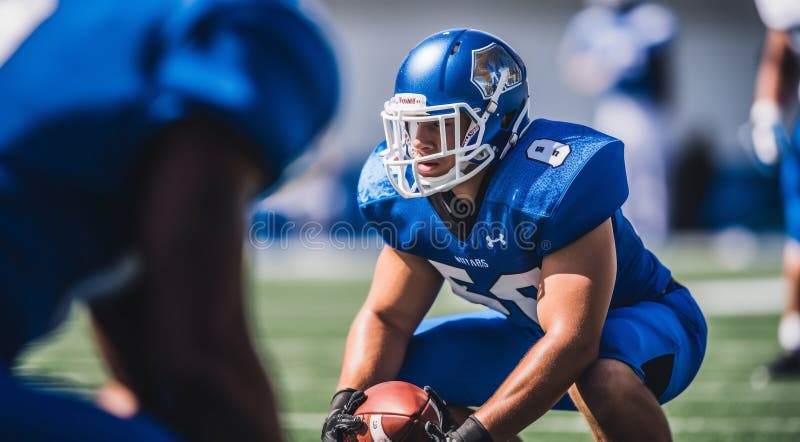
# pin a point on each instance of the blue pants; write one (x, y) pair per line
(466, 357)
(28, 415)
(790, 186)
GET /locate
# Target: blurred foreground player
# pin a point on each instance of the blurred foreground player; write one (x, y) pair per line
(523, 217)
(775, 88)
(132, 137)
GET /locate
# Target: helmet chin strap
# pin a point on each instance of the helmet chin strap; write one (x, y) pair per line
(515, 130)
(435, 181)
(457, 174)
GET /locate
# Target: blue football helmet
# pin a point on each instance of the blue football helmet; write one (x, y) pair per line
(464, 81)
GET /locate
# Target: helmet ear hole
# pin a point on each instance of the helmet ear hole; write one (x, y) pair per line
(508, 118)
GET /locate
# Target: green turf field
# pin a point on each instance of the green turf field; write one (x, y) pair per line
(302, 327)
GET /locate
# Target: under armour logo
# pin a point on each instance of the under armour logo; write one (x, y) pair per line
(491, 242)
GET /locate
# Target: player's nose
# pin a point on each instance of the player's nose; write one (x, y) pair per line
(424, 141)
(423, 147)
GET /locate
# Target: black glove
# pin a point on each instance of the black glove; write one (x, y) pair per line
(340, 419)
(470, 431)
(448, 423)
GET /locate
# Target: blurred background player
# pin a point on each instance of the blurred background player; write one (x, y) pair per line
(132, 138)
(524, 218)
(621, 51)
(775, 89)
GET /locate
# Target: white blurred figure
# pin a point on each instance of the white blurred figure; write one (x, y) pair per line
(775, 87)
(619, 51)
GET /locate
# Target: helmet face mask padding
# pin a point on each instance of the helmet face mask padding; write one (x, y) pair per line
(449, 75)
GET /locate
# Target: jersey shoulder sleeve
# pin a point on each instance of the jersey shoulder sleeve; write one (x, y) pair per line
(584, 25)
(566, 177)
(653, 24)
(588, 19)
(379, 203)
(265, 67)
(373, 184)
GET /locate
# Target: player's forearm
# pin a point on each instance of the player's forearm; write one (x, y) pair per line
(542, 377)
(231, 390)
(217, 375)
(201, 374)
(771, 78)
(208, 354)
(768, 83)
(374, 352)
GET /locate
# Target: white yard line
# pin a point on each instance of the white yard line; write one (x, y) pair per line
(576, 424)
(739, 296)
(293, 262)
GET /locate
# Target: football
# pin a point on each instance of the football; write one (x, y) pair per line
(395, 411)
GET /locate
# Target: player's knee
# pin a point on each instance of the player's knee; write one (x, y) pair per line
(608, 378)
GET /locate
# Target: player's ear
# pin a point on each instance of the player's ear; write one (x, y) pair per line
(508, 119)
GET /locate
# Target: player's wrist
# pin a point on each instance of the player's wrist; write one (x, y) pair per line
(765, 112)
(472, 430)
(340, 398)
(340, 419)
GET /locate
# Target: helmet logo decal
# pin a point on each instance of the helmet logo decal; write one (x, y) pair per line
(487, 64)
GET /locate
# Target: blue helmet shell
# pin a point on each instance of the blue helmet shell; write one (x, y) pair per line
(463, 65)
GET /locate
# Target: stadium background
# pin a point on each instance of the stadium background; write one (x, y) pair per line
(307, 284)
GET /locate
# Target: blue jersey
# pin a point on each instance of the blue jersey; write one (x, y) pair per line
(558, 183)
(83, 93)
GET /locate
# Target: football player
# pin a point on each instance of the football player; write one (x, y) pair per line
(132, 136)
(620, 51)
(523, 217)
(776, 86)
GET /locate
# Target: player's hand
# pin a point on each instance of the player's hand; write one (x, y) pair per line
(340, 420)
(767, 133)
(470, 431)
(448, 423)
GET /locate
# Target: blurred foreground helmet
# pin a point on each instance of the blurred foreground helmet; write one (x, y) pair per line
(464, 80)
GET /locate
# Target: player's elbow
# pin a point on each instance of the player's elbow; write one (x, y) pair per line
(586, 352)
(388, 323)
(580, 347)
